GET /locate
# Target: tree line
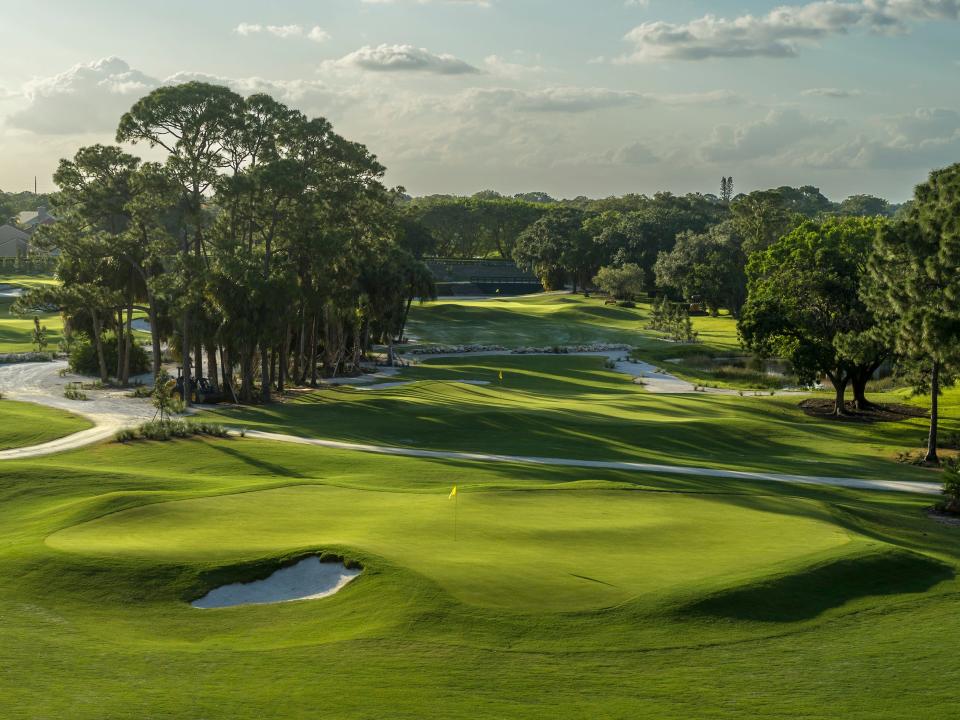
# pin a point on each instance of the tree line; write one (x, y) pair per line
(264, 246)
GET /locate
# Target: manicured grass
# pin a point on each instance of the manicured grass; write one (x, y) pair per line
(23, 424)
(552, 319)
(16, 331)
(570, 406)
(568, 593)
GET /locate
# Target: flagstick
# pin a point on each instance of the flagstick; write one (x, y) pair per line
(456, 504)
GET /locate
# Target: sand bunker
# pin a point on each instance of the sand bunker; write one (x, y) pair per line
(309, 579)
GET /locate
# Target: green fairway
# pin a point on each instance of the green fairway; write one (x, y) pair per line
(563, 320)
(16, 331)
(551, 319)
(568, 593)
(23, 424)
(570, 406)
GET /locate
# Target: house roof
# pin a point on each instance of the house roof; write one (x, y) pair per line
(29, 219)
(9, 232)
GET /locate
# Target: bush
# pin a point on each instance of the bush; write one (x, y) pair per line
(163, 430)
(83, 357)
(951, 486)
(125, 435)
(74, 391)
(624, 282)
(629, 304)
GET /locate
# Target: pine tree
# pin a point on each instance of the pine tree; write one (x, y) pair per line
(916, 266)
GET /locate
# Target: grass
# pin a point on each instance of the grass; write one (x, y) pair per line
(568, 593)
(570, 406)
(23, 424)
(549, 320)
(16, 331)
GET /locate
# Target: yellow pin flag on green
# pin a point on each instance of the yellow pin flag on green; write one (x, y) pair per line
(453, 493)
(501, 376)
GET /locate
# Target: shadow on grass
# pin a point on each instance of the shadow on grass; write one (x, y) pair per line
(807, 594)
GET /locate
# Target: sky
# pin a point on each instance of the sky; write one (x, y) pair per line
(570, 97)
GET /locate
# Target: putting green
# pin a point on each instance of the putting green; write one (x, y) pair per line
(524, 551)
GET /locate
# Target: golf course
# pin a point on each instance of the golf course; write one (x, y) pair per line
(534, 591)
(406, 360)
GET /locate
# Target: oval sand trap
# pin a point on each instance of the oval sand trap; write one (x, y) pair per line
(308, 579)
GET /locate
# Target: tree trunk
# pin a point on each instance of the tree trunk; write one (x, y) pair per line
(264, 374)
(246, 375)
(313, 351)
(121, 345)
(154, 336)
(128, 345)
(931, 456)
(403, 322)
(299, 359)
(98, 343)
(186, 358)
(859, 380)
(198, 359)
(212, 364)
(840, 387)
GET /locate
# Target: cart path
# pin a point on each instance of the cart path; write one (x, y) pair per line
(925, 488)
(111, 410)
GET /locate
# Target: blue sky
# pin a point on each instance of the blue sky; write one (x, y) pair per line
(576, 98)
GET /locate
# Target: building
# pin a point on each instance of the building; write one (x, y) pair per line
(13, 242)
(30, 220)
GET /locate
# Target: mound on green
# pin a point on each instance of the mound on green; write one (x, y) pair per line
(23, 424)
(568, 550)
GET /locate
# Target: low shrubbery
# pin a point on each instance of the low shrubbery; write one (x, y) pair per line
(951, 487)
(163, 430)
(26, 357)
(83, 357)
(74, 391)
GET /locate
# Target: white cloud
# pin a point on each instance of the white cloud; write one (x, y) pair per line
(838, 93)
(280, 31)
(403, 58)
(497, 65)
(477, 3)
(86, 98)
(773, 136)
(781, 32)
(318, 34)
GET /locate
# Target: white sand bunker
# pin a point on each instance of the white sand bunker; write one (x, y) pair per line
(309, 579)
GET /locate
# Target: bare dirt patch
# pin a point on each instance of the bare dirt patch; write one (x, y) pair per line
(889, 412)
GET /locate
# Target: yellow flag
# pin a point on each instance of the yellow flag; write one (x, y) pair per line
(453, 493)
(501, 376)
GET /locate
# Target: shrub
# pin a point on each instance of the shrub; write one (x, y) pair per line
(83, 357)
(951, 485)
(624, 282)
(125, 435)
(629, 304)
(163, 430)
(74, 391)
